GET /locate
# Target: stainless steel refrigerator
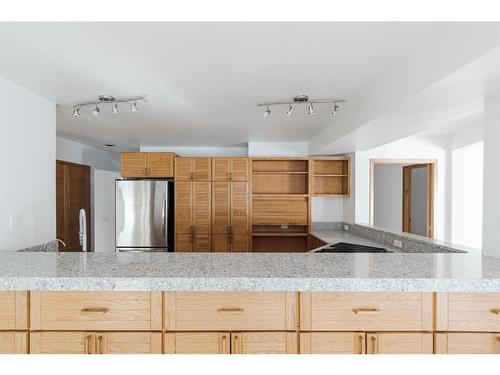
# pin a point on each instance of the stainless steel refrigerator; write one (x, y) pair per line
(144, 215)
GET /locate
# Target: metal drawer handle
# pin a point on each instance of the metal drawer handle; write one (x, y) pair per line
(495, 311)
(230, 310)
(101, 310)
(365, 311)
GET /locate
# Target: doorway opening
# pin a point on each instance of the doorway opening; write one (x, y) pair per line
(402, 195)
(73, 206)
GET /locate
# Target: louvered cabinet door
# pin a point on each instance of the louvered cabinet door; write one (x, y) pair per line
(240, 243)
(183, 243)
(221, 210)
(133, 164)
(201, 204)
(240, 169)
(221, 169)
(160, 164)
(184, 207)
(240, 207)
(182, 169)
(202, 169)
(221, 243)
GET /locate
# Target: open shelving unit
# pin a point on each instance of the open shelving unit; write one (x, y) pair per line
(331, 176)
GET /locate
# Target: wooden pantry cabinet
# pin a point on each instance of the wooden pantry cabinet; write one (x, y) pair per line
(230, 169)
(193, 169)
(147, 164)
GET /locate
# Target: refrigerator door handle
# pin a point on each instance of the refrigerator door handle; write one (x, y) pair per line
(164, 216)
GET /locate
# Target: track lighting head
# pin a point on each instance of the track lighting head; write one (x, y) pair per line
(336, 108)
(104, 100)
(290, 111)
(76, 112)
(310, 109)
(133, 107)
(115, 108)
(96, 111)
(267, 112)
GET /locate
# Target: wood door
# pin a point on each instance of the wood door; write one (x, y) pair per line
(133, 164)
(13, 342)
(221, 244)
(183, 243)
(160, 164)
(128, 343)
(62, 342)
(409, 192)
(221, 208)
(264, 343)
(72, 194)
(332, 343)
(240, 243)
(240, 169)
(183, 169)
(201, 202)
(202, 169)
(197, 343)
(221, 169)
(184, 207)
(202, 243)
(13, 310)
(399, 343)
(466, 343)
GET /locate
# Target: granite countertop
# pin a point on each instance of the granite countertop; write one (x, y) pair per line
(418, 272)
(334, 236)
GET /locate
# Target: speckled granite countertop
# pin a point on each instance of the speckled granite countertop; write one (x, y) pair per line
(249, 272)
(334, 236)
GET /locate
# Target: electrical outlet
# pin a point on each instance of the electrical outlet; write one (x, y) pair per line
(398, 243)
(13, 221)
(346, 227)
(284, 226)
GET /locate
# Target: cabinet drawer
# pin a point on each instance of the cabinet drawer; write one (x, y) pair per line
(13, 342)
(219, 311)
(128, 311)
(466, 343)
(472, 312)
(13, 310)
(366, 311)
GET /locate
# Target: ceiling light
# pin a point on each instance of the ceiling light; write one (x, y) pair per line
(336, 108)
(76, 112)
(310, 110)
(290, 111)
(104, 100)
(115, 108)
(96, 111)
(267, 112)
(133, 107)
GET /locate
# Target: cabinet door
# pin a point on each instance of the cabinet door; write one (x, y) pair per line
(183, 243)
(239, 169)
(467, 343)
(264, 343)
(13, 310)
(13, 342)
(221, 209)
(62, 342)
(332, 343)
(202, 243)
(183, 207)
(202, 169)
(240, 207)
(221, 169)
(399, 343)
(201, 207)
(221, 244)
(160, 164)
(183, 170)
(197, 343)
(240, 243)
(133, 164)
(128, 343)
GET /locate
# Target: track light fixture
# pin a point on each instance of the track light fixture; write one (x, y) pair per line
(303, 99)
(107, 99)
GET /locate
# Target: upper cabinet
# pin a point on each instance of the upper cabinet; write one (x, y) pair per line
(193, 169)
(331, 176)
(230, 169)
(147, 164)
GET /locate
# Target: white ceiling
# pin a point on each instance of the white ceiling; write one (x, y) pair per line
(203, 79)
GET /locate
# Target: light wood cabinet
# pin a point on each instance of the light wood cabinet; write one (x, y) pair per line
(366, 311)
(113, 311)
(331, 176)
(332, 343)
(193, 169)
(230, 169)
(277, 210)
(95, 342)
(192, 215)
(12, 342)
(147, 164)
(13, 310)
(466, 343)
(399, 343)
(230, 216)
(230, 311)
(230, 343)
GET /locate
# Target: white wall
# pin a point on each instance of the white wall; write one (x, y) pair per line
(285, 149)
(80, 153)
(388, 196)
(104, 210)
(410, 148)
(27, 167)
(326, 209)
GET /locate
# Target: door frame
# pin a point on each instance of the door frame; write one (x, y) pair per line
(89, 214)
(431, 188)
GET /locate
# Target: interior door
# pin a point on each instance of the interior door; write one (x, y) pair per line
(399, 343)
(62, 342)
(128, 343)
(264, 343)
(197, 343)
(332, 343)
(72, 194)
